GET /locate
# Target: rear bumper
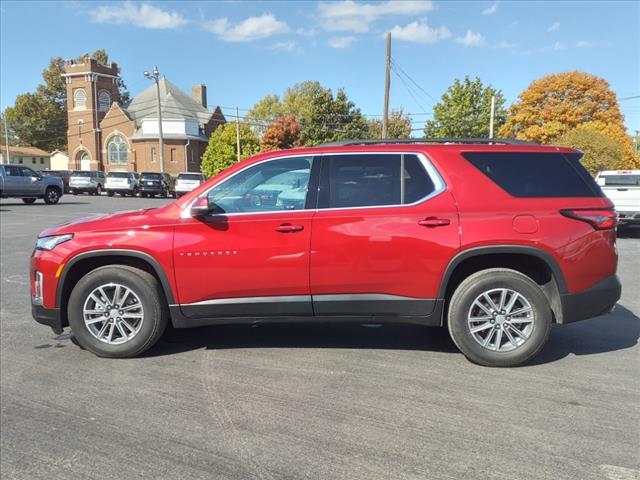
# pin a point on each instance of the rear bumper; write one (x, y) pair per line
(150, 189)
(597, 300)
(47, 316)
(628, 218)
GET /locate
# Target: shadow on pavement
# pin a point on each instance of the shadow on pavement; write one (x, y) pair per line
(616, 331)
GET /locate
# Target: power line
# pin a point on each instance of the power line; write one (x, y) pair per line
(413, 81)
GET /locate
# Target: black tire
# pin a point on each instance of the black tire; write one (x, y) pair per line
(29, 201)
(460, 307)
(145, 286)
(98, 191)
(73, 192)
(52, 195)
(109, 193)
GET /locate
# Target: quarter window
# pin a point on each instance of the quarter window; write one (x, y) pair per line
(375, 180)
(117, 150)
(276, 185)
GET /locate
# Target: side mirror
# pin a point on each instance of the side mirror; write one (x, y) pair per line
(201, 207)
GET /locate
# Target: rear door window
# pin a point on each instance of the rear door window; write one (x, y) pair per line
(368, 180)
(536, 174)
(620, 180)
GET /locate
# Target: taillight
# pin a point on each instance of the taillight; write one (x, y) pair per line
(598, 218)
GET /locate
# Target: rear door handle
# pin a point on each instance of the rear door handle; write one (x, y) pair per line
(288, 228)
(434, 222)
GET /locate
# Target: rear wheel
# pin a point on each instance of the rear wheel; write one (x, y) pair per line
(74, 192)
(52, 195)
(98, 190)
(499, 318)
(117, 311)
(29, 201)
(109, 193)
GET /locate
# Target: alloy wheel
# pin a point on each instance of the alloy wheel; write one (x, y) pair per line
(501, 319)
(113, 313)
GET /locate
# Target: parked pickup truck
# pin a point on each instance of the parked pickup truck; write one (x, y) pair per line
(18, 181)
(623, 188)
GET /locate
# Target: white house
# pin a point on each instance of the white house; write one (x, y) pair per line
(59, 160)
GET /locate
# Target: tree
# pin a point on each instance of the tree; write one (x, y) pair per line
(399, 125)
(600, 151)
(38, 121)
(284, 133)
(221, 150)
(558, 103)
(322, 116)
(465, 111)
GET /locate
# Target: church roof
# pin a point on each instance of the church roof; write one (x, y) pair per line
(174, 103)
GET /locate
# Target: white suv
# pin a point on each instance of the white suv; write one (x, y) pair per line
(188, 181)
(623, 188)
(124, 183)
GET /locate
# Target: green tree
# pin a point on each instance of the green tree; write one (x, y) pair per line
(600, 151)
(399, 125)
(322, 116)
(284, 133)
(221, 150)
(465, 111)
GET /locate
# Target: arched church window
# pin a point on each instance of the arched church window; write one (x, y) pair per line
(117, 150)
(104, 101)
(80, 99)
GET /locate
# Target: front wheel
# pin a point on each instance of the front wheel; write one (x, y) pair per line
(110, 193)
(29, 201)
(52, 196)
(98, 190)
(499, 318)
(117, 311)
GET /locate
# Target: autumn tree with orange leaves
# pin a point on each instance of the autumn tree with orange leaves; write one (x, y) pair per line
(556, 104)
(283, 133)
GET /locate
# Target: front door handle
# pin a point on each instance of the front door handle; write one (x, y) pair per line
(431, 222)
(288, 228)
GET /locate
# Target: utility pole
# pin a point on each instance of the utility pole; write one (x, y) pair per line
(387, 82)
(493, 109)
(238, 133)
(155, 75)
(6, 136)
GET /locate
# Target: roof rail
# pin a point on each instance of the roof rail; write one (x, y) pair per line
(482, 141)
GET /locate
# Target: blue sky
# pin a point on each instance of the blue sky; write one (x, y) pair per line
(245, 50)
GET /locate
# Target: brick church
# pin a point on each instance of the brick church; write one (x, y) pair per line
(103, 135)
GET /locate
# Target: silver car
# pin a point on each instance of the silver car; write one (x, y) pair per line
(89, 181)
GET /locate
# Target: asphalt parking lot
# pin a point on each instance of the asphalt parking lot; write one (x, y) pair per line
(309, 402)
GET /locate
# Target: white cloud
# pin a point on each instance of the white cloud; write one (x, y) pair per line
(505, 44)
(471, 39)
(252, 28)
(350, 16)
(490, 10)
(584, 44)
(142, 15)
(555, 26)
(420, 32)
(341, 42)
(289, 46)
(559, 46)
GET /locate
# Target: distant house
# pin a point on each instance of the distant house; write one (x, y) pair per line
(59, 160)
(29, 156)
(103, 135)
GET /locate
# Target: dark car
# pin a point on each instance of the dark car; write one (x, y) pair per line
(494, 239)
(154, 183)
(63, 174)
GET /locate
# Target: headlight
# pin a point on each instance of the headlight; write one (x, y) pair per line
(49, 243)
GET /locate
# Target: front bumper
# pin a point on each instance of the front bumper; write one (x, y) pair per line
(47, 316)
(597, 300)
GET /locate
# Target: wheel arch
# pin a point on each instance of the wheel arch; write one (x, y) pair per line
(85, 262)
(534, 262)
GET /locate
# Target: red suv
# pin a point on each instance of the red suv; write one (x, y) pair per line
(496, 241)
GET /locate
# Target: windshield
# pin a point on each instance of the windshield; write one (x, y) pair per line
(190, 176)
(118, 175)
(621, 180)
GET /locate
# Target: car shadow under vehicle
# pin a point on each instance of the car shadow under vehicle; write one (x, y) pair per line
(608, 333)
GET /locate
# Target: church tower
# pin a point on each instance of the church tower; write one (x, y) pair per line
(91, 89)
